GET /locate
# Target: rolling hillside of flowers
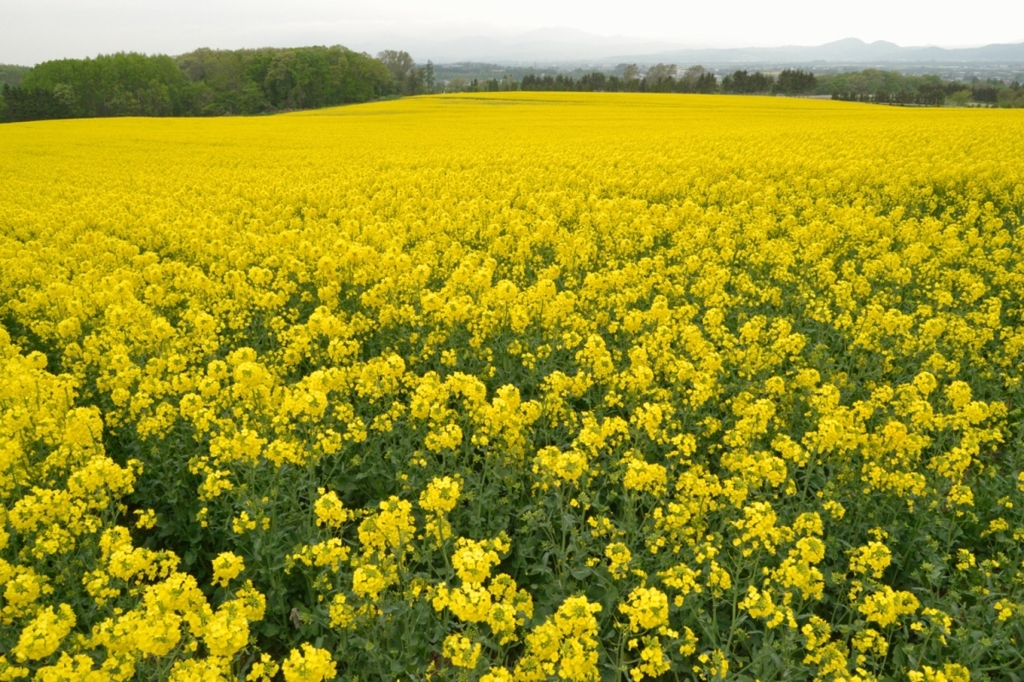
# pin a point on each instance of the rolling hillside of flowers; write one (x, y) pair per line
(518, 386)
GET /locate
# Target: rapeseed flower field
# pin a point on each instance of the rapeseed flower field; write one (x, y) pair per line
(522, 386)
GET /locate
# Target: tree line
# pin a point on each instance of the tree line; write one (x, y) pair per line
(869, 85)
(892, 87)
(658, 78)
(667, 78)
(209, 82)
(201, 83)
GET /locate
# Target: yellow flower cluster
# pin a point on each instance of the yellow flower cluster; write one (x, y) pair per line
(501, 605)
(43, 634)
(951, 672)
(309, 665)
(461, 651)
(226, 567)
(439, 498)
(887, 606)
(330, 511)
(62, 497)
(523, 385)
(564, 645)
(473, 560)
(647, 608)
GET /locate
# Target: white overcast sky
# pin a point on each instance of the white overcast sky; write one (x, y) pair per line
(36, 30)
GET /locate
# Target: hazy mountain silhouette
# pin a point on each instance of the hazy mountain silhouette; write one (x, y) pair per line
(848, 51)
(557, 44)
(553, 44)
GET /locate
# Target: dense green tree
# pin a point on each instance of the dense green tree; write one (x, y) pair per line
(961, 97)
(697, 79)
(1012, 96)
(122, 84)
(201, 83)
(743, 83)
(795, 82)
(661, 78)
(416, 82)
(892, 87)
(24, 104)
(985, 91)
(457, 84)
(428, 76)
(595, 82)
(12, 74)
(706, 84)
(688, 81)
(265, 80)
(399, 63)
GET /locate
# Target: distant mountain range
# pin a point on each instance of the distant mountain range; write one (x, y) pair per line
(545, 45)
(564, 45)
(847, 51)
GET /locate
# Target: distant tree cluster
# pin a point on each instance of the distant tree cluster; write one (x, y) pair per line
(743, 83)
(407, 78)
(795, 82)
(269, 80)
(110, 85)
(892, 87)
(869, 85)
(658, 78)
(788, 82)
(667, 78)
(201, 83)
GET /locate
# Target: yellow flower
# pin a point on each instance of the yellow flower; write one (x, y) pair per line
(44, 633)
(760, 604)
(647, 608)
(254, 603)
(228, 631)
(309, 665)
(653, 661)
(497, 675)
(817, 632)
(461, 651)
(951, 672)
(564, 643)
(473, 560)
(558, 465)
(147, 518)
(619, 557)
(1004, 609)
(158, 633)
(441, 495)
(391, 528)
(886, 606)
(330, 510)
(644, 477)
(715, 665)
(342, 615)
(264, 670)
(226, 567)
(212, 669)
(873, 558)
(369, 580)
